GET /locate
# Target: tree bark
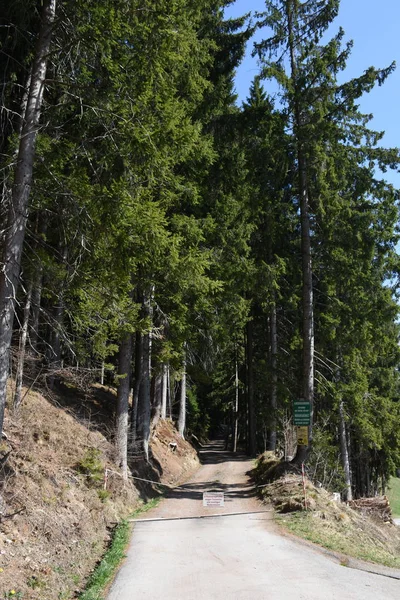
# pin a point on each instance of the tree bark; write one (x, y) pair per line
(41, 229)
(121, 430)
(55, 349)
(169, 395)
(18, 211)
(156, 386)
(164, 391)
(182, 404)
(307, 287)
(250, 391)
(344, 452)
(274, 378)
(36, 302)
(136, 385)
(144, 403)
(236, 409)
(21, 351)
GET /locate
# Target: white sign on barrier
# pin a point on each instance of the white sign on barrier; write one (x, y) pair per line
(213, 499)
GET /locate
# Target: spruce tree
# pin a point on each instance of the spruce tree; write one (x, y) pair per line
(323, 120)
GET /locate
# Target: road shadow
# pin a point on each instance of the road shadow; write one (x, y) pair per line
(214, 453)
(194, 491)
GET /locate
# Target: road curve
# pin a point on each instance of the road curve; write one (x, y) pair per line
(187, 553)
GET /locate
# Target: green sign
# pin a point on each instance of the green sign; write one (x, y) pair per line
(301, 412)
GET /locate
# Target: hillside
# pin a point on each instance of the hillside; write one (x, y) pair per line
(394, 496)
(365, 535)
(57, 515)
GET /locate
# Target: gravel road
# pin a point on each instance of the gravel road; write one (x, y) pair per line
(187, 551)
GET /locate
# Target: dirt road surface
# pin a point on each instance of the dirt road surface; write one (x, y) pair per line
(187, 553)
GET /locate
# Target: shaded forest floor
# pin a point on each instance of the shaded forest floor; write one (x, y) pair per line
(61, 491)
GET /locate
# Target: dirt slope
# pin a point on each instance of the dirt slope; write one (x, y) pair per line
(52, 468)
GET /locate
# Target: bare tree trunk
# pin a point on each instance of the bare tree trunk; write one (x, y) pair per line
(164, 391)
(145, 393)
(144, 406)
(308, 309)
(56, 334)
(169, 395)
(41, 229)
(250, 391)
(36, 302)
(136, 386)
(182, 404)
(21, 352)
(24, 104)
(274, 377)
(156, 399)
(55, 346)
(236, 409)
(307, 291)
(344, 451)
(17, 214)
(121, 430)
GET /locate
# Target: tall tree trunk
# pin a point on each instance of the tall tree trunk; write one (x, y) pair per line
(21, 351)
(236, 409)
(41, 229)
(136, 385)
(156, 399)
(308, 309)
(55, 346)
(250, 391)
(307, 288)
(274, 378)
(164, 391)
(344, 452)
(182, 403)
(121, 429)
(17, 214)
(169, 395)
(36, 303)
(58, 320)
(144, 404)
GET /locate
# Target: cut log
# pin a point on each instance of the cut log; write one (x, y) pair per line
(378, 506)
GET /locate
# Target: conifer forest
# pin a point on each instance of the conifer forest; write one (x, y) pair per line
(213, 261)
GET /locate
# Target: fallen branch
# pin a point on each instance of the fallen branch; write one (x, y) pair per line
(17, 512)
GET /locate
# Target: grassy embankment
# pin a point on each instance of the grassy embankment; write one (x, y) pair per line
(327, 523)
(393, 494)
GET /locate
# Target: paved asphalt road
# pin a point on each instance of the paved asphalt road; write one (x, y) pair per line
(190, 555)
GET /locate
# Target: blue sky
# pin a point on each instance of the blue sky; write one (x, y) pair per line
(374, 27)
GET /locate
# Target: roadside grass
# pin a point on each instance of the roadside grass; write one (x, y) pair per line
(342, 537)
(393, 494)
(329, 524)
(104, 573)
